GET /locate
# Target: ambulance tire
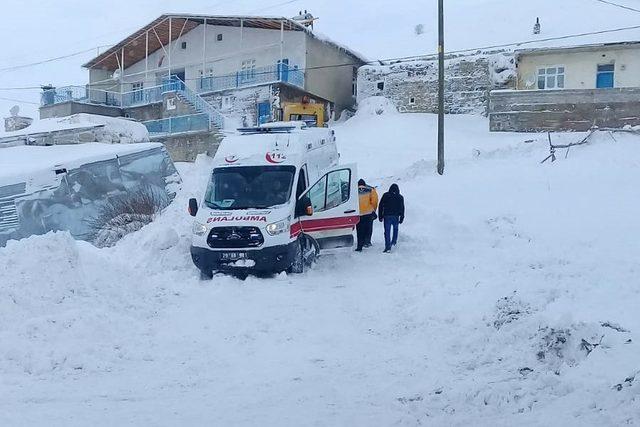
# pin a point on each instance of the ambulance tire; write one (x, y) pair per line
(206, 275)
(297, 267)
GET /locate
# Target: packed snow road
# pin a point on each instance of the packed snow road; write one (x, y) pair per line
(511, 299)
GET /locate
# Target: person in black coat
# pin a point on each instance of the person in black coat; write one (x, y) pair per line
(391, 212)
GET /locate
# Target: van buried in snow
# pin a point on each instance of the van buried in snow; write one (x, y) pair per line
(66, 187)
(275, 200)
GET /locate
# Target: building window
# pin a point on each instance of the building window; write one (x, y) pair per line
(248, 71)
(183, 45)
(219, 37)
(137, 93)
(604, 78)
(412, 101)
(380, 85)
(551, 78)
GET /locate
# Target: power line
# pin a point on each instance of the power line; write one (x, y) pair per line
(274, 6)
(470, 51)
(621, 6)
(19, 101)
(46, 61)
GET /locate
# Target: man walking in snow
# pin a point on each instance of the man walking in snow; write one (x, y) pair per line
(391, 211)
(368, 197)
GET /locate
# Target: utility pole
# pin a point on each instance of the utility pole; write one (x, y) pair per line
(440, 87)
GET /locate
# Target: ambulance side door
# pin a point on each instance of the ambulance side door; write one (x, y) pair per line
(334, 200)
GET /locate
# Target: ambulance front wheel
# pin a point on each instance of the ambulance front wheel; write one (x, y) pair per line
(206, 274)
(297, 267)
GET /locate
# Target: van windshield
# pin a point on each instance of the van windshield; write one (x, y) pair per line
(249, 187)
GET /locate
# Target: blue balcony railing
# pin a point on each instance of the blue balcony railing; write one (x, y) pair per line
(85, 94)
(180, 124)
(254, 76)
(284, 73)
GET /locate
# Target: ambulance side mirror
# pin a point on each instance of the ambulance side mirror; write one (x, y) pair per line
(193, 207)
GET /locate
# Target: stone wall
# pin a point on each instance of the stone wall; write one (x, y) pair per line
(241, 104)
(186, 147)
(15, 123)
(413, 85)
(145, 112)
(563, 110)
(69, 108)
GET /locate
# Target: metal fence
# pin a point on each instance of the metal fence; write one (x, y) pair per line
(284, 73)
(253, 76)
(85, 94)
(180, 124)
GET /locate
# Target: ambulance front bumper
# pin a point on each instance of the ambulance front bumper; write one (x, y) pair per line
(271, 259)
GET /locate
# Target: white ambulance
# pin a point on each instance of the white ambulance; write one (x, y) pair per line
(276, 199)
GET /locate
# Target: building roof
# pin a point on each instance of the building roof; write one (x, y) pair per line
(169, 27)
(578, 48)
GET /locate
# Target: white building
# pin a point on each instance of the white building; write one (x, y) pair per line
(226, 67)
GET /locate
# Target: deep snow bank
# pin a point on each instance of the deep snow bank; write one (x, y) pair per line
(511, 300)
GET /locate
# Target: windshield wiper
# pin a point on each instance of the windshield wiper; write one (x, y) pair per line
(212, 205)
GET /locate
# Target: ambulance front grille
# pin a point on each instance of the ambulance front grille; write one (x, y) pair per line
(235, 237)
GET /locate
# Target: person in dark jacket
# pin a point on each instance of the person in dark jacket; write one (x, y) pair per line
(391, 212)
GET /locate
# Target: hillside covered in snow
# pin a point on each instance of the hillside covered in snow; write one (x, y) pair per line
(511, 300)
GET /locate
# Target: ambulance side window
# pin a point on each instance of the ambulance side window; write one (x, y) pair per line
(317, 194)
(338, 188)
(332, 190)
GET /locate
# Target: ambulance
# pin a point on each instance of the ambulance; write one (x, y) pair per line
(276, 199)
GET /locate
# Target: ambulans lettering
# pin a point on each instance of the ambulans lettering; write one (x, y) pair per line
(253, 218)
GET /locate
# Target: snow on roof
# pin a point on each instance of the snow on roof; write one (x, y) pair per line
(20, 163)
(253, 147)
(134, 130)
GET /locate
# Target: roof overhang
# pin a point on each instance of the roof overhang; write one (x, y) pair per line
(582, 48)
(167, 28)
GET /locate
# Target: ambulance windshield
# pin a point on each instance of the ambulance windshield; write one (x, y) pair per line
(249, 187)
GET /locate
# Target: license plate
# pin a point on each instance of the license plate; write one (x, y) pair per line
(232, 256)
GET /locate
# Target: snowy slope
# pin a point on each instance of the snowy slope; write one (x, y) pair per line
(504, 266)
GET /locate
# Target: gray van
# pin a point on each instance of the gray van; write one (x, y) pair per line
(60, 187)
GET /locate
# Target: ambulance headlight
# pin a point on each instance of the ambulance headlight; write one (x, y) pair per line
(279, 227)
(199, 229)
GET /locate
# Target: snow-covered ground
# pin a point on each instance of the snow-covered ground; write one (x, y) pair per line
(511, 300)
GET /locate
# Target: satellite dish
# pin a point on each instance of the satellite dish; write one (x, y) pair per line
(15, 110)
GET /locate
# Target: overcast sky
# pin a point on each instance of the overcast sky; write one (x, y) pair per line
(36, 30)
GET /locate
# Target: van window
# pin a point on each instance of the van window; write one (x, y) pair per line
(331, 191)
(317, 194)
(247, 187)
(338, 188)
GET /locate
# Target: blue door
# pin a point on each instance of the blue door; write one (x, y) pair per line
(283, 70)
(604, 77)
(264, 112)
